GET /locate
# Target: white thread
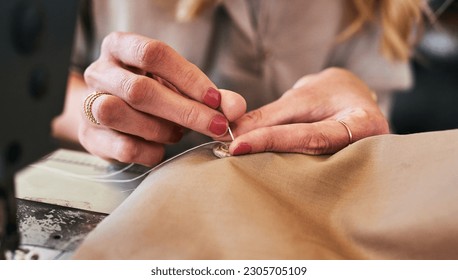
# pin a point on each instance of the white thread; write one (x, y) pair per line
(83, 176)
(125, 168)
(112, 173)
(101, 180)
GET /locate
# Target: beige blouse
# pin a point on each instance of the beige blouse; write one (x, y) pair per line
(258, 48)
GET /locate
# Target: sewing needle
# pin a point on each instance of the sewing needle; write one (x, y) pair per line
(230, 132)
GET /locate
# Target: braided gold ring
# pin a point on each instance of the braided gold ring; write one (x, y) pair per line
(87, 105)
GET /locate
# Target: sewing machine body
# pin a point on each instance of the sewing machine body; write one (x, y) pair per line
(36, 42)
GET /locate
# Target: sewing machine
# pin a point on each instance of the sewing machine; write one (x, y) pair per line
(36, 41)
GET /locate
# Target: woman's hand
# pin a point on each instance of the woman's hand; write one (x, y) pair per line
(321, 114)
(153, 94)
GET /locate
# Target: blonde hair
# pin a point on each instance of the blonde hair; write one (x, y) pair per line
(398, 18)
(186, 10)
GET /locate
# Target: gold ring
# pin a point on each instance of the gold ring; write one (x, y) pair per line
(87, 105)
(350, 135)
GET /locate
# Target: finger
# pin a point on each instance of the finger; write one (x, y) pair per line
(110, 144)
(274, 113)
(295, 106)
(315, 138)
(151, 97)
(233, 105)
(160, 59)
(114, 113)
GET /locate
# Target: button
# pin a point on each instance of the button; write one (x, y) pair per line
(221, 150)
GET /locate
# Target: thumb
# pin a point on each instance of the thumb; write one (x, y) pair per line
(233, 105)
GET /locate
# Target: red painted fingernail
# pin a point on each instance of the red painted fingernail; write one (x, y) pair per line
(177, 134)
(212, 98)
(218, 125)
(242, 148)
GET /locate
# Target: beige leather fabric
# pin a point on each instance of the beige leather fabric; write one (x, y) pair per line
(385, 197)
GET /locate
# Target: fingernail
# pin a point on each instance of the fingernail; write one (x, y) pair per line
(242, 148)
(177, 134)
(218, 125)
(212, 98)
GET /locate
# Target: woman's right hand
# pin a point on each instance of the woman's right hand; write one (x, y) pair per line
(153, 93)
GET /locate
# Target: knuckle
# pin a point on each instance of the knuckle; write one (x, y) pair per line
(382, 125)
(105, 110)
(129, 150)
(150, 52)
(83, 134)
(301, 83)
(189, 116)
(270, 143)
(153, 133)
(297, 95)
(110, 43)
(90, 73)
(316, 143)
(85, 137)
(156, 156)
(322, 142)
(189, 78)
(109, 39)
(255, 115)
(135, 89)
(126, 150)
(376, 122)
(331, 71)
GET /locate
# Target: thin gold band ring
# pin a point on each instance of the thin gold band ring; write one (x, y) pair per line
(350, 135)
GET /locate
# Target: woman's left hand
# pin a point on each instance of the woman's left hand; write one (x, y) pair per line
(321, 114)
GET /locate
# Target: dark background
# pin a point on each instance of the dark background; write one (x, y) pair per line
(432, 104)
